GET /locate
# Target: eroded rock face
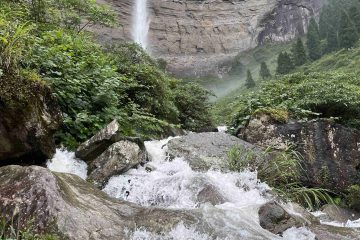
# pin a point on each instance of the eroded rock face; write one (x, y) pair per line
(75, 208)
(331, 151)
(117, 159)
(199, 38)
(26, 130)
(204, 151)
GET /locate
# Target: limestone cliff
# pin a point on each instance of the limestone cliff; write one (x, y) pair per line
(200, 37)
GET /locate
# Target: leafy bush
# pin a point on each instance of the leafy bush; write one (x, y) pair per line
(353, 197)
(299, 95)
(192, 102)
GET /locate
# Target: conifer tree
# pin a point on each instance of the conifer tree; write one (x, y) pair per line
(285, 64)
(298, 53)
(313, 40)
(324, 22)
(354, 16)
(332, 41)
(264, 71)
(250, 83)
(348, 35)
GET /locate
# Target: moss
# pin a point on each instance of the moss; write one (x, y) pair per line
(353, 197)
(277, 115)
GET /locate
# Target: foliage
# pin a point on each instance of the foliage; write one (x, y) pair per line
(281, 170)
(299, 95)
(277, 115)
(250, 83)
(192, 102)
(285, 64)
(41, 41)
(264, 71)
(353, 197)
(313, 40)
(348, 35)
(298, 53)
(10, 231)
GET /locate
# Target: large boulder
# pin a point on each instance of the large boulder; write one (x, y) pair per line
(117, 159)
(338, 214)
(331, 151)
(75, 208)
(27, 122)
(204, 151)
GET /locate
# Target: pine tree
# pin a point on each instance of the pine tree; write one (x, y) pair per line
(324, 22)
(250, 83)
(285, 64)
(348, 35)
(313, 40)
(354, 16)
(298, 53)
(332, 41)
(264, 71)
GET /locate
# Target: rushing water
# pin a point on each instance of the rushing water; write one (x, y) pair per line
(172, 184)
(141, 23)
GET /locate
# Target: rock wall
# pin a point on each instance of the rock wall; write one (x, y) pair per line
(202, 37)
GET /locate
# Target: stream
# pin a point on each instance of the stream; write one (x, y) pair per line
(172, 184)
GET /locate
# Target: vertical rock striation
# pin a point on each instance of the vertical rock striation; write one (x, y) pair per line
(201, 37)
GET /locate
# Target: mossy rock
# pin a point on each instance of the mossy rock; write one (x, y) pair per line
(275, 115)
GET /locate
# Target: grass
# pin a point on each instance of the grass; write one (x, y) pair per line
(9, 230)
(281, 170)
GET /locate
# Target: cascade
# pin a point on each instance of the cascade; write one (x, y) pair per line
(141, 23)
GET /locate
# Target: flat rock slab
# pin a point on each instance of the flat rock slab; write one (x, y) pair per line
(204, 151)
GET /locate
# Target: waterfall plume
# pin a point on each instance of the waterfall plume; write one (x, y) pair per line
(141, 23)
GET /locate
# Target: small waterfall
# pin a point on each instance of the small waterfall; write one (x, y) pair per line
(141, 23)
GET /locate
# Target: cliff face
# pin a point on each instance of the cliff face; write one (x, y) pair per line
(201, 37)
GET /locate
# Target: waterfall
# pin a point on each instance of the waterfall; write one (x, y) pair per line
(141, 23)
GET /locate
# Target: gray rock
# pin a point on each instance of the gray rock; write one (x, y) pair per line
(27, 128)
(201, 38)
(275, 219)
(206, 150)
(209, 194)
(75, 208)
(117, 159)
(96, 145)
(331, 151)
(325, 232)
(339, 214)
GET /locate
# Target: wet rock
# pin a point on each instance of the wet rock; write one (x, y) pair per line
(76, 209)
(209, 194)
(325, 232)
(204, 151)
(117, 159)
(338, 214)
(96, 145)
(27, 128)
(331, 151)
(275, 219)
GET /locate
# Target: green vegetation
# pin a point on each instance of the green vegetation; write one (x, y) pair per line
(285, 64)
(250, 83)
(264, 71)
(9, 231)
(44, 45)
(281, 170)
(353, 197)
(313, 40)
(298, 53)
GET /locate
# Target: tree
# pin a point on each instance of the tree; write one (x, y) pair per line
(285, 64)
(250, 83)
(354, 16)
(313, 40)
(298, 53)
(264, 71)
(332, 41)
(348, 35)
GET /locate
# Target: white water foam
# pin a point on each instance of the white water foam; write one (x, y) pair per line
(66, 162)
(347, 224)
(141, 23)
(222, 128)
(173, 184)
